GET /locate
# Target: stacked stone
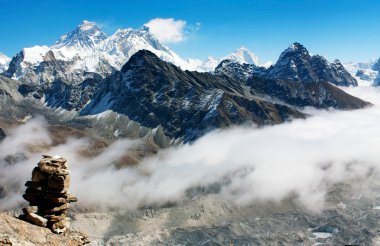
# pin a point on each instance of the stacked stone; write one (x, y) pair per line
(47, 194)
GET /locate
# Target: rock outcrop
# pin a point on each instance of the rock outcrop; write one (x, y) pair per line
(47, 194)
(14, 231)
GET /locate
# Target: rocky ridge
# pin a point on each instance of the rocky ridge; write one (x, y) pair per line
(295, 64)
(186, 104)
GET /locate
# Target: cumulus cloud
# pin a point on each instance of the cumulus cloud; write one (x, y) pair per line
(302, 159)
(168, 30)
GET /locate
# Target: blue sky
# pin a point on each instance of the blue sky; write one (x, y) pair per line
(344, 29)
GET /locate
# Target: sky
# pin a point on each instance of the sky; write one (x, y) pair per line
(345, 29)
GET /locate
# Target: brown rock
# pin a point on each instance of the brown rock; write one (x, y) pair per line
(14, 231)
(33, 200)
(59, 226)
(53, 165)
(33, 185)
(36, 219)
(48, 191)
(59, 182)
(57, 200)
(30, 209)
(57, 191)
(56, 218)
(72, 198)
(38, 176)
(52, 210)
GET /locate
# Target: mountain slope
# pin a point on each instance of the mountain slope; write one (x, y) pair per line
(297, 93)
(187, 104)
(315, 94)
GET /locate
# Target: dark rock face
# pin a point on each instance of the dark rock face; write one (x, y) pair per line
(2, 135)
(235, 70)
(60, 94)
(294, 64)
(187, 104)
(316, 94)
(301, 87)
(376, 66)
(14, 64)
(360, 74)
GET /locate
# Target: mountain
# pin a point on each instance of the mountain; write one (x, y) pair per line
(73, 58)
(186, 104)
(376, 68)
(294, 64)
(296, 93)
(4, 62)
(85, 37)
(239, 71)
(243, 56)
(85, 53)
(362, 71)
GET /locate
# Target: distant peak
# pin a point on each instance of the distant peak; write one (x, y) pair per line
(242, 48)
(296, 46)
(144, 28)
(243, 55)
(2, 56)
(86, 25)
(86, 35)
(337, 62)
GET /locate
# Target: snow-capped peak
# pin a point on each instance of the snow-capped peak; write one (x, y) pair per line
(87, 25)
(295, 48)
(242, 56)
(4, 62)
(86, 35)
(4, 59)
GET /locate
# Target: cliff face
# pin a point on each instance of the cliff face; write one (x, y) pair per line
(14, 231)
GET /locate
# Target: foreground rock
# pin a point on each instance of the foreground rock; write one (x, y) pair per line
(47, 194)
(14, 231)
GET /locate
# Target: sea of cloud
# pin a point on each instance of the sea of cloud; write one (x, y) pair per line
(302, 159)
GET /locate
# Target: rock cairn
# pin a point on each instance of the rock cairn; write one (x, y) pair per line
(47, 194)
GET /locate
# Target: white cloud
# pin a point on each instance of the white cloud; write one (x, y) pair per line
(168, 30)
(302, 159)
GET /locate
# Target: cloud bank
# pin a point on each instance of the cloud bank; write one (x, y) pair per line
(301, 159)
(168, 30)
